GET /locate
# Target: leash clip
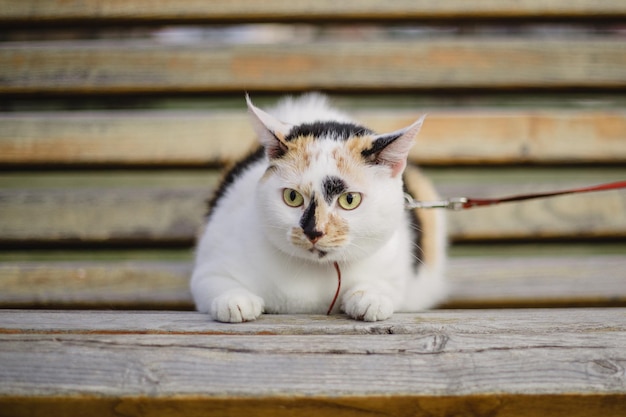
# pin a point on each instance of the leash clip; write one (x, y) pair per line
(455, 204)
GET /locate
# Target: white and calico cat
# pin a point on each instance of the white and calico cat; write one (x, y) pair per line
(320, 191)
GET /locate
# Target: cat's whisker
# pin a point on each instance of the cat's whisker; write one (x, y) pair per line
(416, 228)
(416, 258)
(361, 250)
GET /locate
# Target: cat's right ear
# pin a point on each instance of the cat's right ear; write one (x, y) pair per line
(270, 131)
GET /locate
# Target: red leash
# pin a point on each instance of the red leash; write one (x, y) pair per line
(463, 203)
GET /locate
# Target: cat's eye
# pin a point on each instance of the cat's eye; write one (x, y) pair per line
(349, 200)
(292, 198)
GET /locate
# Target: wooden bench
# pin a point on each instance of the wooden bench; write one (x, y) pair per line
(116, 117)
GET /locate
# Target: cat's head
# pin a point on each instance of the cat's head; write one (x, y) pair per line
(332, 191)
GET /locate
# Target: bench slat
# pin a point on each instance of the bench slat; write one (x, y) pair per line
(197, 139)
(531, 322)
(173, 215)
(476, 282)
(144, 67)
(141, 11)
(437, 362)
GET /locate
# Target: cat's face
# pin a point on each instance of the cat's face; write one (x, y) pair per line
(332, 191)
(322, 203)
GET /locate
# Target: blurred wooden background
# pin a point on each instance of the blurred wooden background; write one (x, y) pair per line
(116, 118)
(116, 115)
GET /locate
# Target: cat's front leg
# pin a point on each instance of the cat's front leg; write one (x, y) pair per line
(236, 306)
(224, 299)
(367, 303)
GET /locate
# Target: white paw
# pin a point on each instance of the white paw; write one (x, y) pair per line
(367, 305)
(237, 306)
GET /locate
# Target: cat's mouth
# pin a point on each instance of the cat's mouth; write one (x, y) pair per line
(317, 248)
(320, 253)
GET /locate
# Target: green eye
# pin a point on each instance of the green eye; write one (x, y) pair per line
(292, 198)
(349, 201)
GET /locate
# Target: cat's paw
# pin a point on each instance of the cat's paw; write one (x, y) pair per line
(367, 305)
(237, 306)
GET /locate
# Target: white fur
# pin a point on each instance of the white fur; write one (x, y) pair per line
(246, 262)
(308, 108)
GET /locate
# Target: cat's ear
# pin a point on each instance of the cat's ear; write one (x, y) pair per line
(270, 131)
(392, 149)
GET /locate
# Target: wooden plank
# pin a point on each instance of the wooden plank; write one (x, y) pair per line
(274, 10)
(201, 138)
(155, 179)
(488, 281)
(403, 406)
(138, 138)
(96, 284)
(532, 322)
(475, 282)
(565, 362)
(87, 67)
(173, 215)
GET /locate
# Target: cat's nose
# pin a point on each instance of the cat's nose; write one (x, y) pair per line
(313, 235)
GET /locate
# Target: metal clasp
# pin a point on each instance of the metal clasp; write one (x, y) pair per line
(456, 203)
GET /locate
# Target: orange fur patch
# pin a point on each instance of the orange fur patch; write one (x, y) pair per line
(298, 154)
(421, 187)
(349, 158)
(336, 230)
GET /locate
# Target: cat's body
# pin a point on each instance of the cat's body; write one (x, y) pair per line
(321, 190)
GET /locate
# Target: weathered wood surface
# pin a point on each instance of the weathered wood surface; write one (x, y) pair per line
(273, 10)
(199, 138)
(541, 323)
(516, 362)
(476, 282)
(85, 67)
(174, 214)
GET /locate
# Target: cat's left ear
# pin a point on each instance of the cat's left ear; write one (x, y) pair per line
(270, 131)
(392, 149)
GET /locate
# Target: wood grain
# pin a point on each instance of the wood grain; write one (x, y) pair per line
(434, 363)
(475, 282)
(274, 10)
(87, 67)
(480, 323)
(200, 138)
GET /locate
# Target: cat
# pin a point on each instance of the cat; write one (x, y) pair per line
(320, 189)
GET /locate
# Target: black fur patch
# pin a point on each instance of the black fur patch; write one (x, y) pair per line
(335, 130)
(307, 222)
(232, 174)
(378, 145)
(333, 186)
(416, 230)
